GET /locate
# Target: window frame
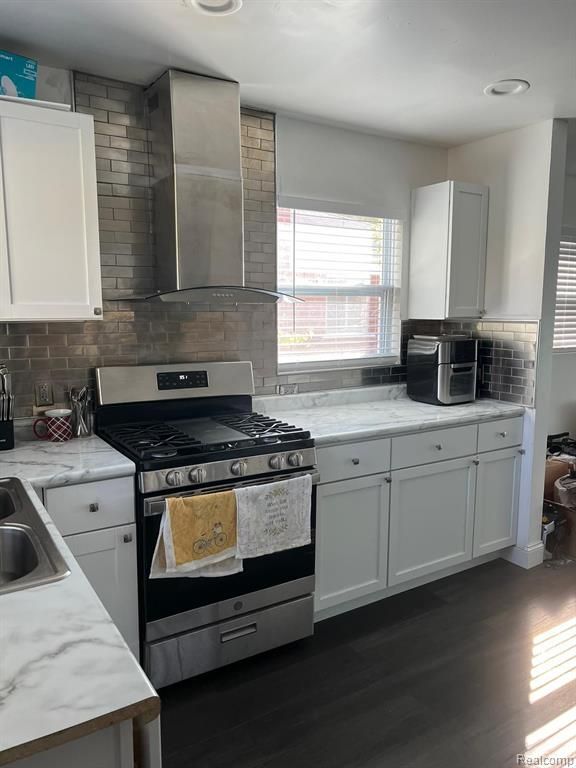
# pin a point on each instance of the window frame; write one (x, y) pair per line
(568, 235)
(384, 291)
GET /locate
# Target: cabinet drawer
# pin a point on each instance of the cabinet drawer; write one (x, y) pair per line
(437, 445)
(91, 506)
(340, 462)
(504, 433)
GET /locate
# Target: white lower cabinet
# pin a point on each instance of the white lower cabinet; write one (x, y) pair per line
(108, 559)
(351, 539)
(431, 518)
(387, 530)
(497, 490)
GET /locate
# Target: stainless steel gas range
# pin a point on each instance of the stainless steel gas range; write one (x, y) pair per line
(190, 429)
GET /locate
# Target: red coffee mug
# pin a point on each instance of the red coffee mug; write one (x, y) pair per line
(58, 425)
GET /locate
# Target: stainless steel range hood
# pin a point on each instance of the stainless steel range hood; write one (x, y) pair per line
(197, 183)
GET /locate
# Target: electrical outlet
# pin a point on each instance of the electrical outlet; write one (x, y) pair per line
(44, 393)
(287, 389)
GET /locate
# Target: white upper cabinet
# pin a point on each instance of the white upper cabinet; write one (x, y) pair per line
(448, 251)
(49, 247)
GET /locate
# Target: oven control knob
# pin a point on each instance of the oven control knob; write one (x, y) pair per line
(295, 459)
(275, 462)
(174, 477)
(197, 475)
(238, 468)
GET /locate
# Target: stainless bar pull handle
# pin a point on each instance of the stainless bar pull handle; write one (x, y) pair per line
(236, 634)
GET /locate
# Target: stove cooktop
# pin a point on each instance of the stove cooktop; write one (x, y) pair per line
(200, 439)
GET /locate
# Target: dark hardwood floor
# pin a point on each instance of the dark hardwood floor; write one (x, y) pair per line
(466, 672)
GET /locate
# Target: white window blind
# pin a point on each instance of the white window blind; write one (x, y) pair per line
(347, 269)
(565, 317)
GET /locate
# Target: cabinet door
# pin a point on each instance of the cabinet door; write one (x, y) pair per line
(351, 539)
(49, 249)
(467, 250)
(108, 559)
(431, 518)
(497, 493)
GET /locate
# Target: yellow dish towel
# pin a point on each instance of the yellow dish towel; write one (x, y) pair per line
(196, 532)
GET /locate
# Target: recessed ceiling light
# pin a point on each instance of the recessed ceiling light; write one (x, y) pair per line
(215, 7)
(510, 87)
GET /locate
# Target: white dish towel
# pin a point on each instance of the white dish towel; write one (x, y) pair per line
(273, 517)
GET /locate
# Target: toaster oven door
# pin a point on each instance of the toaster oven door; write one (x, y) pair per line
(456, 383)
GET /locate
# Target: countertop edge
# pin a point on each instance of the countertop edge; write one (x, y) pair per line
(79, 476)
(145, 710)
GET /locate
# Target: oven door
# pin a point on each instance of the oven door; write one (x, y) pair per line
(175, 605)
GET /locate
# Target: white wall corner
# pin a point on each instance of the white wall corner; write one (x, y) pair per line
(526, 557)
(537, 421)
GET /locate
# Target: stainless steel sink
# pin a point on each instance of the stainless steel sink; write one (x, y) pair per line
(18, 556)
(7, 507)
(28, 555)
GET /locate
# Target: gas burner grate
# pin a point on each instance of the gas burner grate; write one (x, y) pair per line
(152, 439)
(256, 425)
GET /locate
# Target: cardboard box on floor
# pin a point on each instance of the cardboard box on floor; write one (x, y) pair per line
(555, 469)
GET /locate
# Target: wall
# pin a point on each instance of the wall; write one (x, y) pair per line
(515, 165)
(563, 398)
(336, 169)
(131, 333)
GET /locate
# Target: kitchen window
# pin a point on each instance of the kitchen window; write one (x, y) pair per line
(347, 268)
(565, 317)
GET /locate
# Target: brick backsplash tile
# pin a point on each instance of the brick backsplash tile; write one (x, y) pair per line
(506, 358)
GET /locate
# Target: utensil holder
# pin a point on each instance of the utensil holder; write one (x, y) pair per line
(6, 435)
(81, 418)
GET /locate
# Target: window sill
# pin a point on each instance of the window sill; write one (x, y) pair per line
(335, 365)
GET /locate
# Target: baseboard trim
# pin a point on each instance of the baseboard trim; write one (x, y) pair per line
(525, 557)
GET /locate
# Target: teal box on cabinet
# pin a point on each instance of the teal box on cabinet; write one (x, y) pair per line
(17, 75)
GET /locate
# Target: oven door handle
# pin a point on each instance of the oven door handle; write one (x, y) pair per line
(156, 506)
(236, 634)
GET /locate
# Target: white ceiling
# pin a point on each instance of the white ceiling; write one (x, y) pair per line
(410, 68)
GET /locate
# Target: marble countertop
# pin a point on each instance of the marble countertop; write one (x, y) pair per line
(49, 465)
(371, 412)
(65, 670)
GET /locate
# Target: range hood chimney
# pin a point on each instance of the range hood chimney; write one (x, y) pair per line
(197, 183)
